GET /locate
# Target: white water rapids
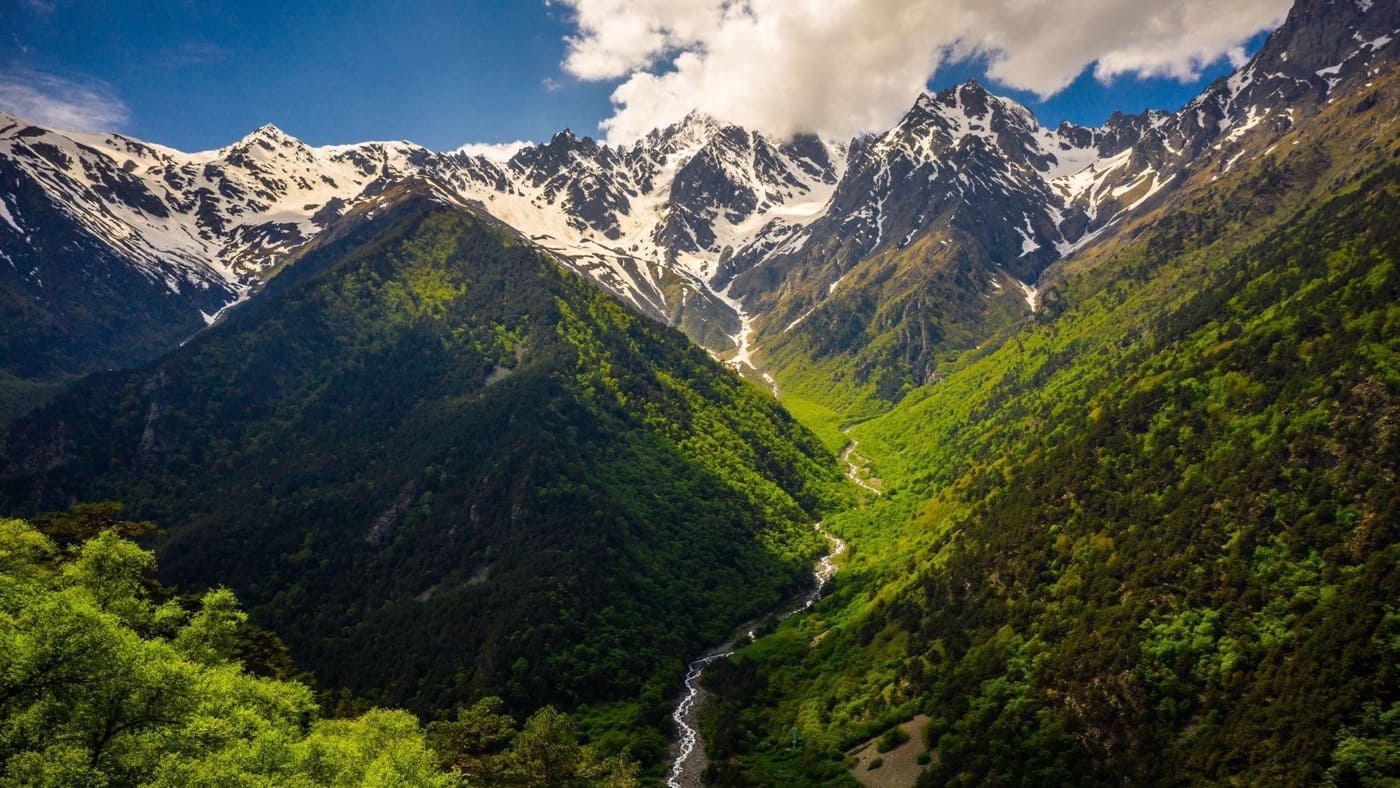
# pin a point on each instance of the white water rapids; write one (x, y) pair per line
(852, 470)
(687, 750)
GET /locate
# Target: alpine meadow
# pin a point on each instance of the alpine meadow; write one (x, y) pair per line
(736, 448)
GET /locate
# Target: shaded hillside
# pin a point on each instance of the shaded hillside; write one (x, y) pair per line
(71, 305)
(1151, 539)
(444, 468)
(894, 322)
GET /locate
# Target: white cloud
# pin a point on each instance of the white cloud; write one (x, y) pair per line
(838, 67)
(61, 103)
(495, 151)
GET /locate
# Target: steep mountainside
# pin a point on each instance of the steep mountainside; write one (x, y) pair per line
(442, 467)
(1151, 538)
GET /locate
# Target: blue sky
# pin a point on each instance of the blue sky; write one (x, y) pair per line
(199, 74)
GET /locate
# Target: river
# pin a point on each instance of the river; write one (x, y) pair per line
(687, 750)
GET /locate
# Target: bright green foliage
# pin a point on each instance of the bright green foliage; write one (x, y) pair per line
(1151, 538)
(1368, 753)
(103, 684)
(485, 746)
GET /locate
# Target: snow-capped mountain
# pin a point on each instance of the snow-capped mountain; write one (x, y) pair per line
(649, 222)
(705, 225)
(968, 197)
(213, 220)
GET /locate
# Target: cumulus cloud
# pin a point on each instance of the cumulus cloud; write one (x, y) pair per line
(495, 151)
(839, 67)
(61, 103)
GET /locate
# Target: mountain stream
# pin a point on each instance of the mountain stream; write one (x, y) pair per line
(687, 750)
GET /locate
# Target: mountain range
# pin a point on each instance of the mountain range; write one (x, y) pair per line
(736, 238)
(459, 427)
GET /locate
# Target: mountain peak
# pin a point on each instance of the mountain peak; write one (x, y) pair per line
(567, 140)
(697, 117)
(972, 86)
(270, 131)
(691, 131)
(696, 123)
(269, 135)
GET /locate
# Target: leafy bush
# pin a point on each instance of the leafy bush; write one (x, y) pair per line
(892, 738)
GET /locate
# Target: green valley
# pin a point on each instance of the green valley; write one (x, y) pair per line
(1149, 537)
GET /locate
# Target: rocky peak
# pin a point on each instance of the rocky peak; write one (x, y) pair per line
(555, 156)
(917, 121)
(973, 98)
(269, 135)
(265, 145)
(566, 140)
(690, 132)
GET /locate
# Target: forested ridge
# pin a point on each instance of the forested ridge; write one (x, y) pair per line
(441, 469)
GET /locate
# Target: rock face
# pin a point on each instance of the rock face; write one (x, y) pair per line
(721, 231)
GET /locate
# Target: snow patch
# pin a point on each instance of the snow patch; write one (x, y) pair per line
(243, 295)
(800, 318)
(1028, 242)
(1032, 294)
(8, 217)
